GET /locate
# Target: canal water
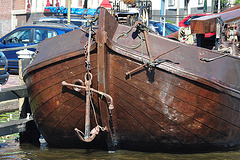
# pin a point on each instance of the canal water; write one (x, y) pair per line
(11, 149)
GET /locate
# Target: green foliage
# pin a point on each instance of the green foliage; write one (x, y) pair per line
(224, 4)
(5, 117)
(237, 2)
(169, 21)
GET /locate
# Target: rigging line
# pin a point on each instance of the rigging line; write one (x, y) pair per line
(94, 112)
(125, 34)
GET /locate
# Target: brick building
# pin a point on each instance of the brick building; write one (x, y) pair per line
(15, 13)
(5, 16)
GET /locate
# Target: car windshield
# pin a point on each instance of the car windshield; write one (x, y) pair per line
(188, 22)
(169, 28)
(41, 34)
(20, 36)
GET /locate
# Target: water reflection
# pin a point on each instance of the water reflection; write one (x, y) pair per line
(11, 149)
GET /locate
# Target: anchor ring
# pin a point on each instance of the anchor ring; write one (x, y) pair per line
(77, 82)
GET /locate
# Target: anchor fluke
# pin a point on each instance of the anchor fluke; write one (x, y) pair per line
(95, 131)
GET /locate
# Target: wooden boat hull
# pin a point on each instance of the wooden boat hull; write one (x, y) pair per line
(57, 110)
(171, 113)
(181, 103)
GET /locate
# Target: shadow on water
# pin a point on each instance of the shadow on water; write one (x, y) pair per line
(11, 149)
(44, 153)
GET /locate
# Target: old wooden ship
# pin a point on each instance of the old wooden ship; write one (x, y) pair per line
(125, 88)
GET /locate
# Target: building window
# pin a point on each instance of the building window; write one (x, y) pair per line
(171, 3)
(200, 1)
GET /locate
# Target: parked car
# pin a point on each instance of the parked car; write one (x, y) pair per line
(185, 22)
(157, 27)
(30, 35)
(3, 69)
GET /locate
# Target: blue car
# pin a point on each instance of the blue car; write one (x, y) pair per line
(157, 27)
(30, 35)
(3, 69)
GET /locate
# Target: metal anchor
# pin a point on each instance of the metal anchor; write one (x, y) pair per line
(88, 136)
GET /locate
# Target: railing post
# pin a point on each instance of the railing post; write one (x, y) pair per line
(31, 135)
(24, 57)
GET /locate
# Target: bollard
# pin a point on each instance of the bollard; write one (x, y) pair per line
(24, 57)
(31, 135)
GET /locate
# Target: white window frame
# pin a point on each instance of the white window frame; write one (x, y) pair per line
(200, 2)
(171, 3)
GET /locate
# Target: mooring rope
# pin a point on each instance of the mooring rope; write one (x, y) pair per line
(95, 116)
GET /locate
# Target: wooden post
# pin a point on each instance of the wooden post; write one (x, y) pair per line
(200, 40)
(102, 78)
(69, 12)
(22, 108)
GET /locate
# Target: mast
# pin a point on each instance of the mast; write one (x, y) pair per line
(86, 4)
(69, 12)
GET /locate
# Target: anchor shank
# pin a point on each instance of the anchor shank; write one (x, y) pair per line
(87, 117)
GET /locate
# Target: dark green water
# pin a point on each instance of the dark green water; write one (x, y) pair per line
(11, 149)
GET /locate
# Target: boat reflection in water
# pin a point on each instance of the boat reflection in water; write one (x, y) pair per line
(125, 88)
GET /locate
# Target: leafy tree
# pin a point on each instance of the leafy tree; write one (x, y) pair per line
(224, 4)
(237, 2)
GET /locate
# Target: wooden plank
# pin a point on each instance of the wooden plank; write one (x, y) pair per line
(207, 24)
(103, 71)
(13, 93)
(14, 126)
(230, 16)
(204, 24)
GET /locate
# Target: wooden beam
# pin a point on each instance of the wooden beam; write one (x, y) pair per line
(14, 126)
(207, 24)
(13, 93)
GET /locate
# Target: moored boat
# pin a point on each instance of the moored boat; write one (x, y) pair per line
(166, 95)
(56, 109)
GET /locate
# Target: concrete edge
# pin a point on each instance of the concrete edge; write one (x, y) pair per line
(10, 105)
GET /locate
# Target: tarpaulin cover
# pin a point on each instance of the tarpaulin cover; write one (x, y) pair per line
(78, 11)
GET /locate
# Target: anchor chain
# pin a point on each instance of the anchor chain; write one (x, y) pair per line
(89, 135)
(85, 52)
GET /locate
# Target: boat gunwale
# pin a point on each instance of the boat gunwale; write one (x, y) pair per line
(56, 59)
(136, 55)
